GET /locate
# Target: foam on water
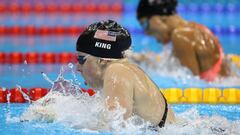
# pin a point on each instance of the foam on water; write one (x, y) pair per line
(89, 114)
(170, 67)
(191, 123)
(65, 103)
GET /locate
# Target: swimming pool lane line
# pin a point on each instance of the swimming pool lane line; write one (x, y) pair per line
(62, 58)
(173, 95)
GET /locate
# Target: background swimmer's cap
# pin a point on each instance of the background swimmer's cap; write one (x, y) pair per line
(105, 39)
(148, 8)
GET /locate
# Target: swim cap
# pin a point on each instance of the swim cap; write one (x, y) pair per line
(105, 39)
(148, 8)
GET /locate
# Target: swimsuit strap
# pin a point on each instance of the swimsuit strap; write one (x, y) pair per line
(162, 122)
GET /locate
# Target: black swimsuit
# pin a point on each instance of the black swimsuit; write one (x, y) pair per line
(162, 122)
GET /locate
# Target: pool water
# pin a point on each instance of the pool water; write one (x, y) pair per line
(199, 119)
(221, 17)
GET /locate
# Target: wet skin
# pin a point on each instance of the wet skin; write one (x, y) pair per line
(130, 85)
(195, 47)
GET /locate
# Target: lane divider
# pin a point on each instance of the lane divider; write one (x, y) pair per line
(17, 96)
(37, 93)
(116, 7)
(62, 58)
(43, 30)
(37, 58)
(202, 95)
(173, 95)
(206, 7)
(34, 94)
(231, 8)
(235, 59)
(76, 30)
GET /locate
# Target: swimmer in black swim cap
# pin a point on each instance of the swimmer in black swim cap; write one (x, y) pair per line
(148, 8)
(105, 39)
(102, 63)
(193, 44)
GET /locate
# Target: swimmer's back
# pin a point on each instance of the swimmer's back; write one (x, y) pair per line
(148, 101)
(205, 45)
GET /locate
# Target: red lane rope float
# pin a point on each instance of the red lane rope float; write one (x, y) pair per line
(15, 58)
(3, 95)
(37, 93)
(48, 58)
(43, 30)
(37, 58)
(32, 57)
(17, 96)
(116, 7)
(2, 57)
(65, 57)
(52, 58)
(33, 93)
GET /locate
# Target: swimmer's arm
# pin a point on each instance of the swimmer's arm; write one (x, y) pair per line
(184, 50)
(118, 86)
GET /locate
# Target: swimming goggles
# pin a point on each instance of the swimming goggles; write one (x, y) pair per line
(145, 24)
(82, 59)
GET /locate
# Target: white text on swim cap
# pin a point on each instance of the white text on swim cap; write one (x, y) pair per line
(103, 45)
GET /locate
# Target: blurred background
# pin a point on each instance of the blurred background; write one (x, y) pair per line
(40, 36)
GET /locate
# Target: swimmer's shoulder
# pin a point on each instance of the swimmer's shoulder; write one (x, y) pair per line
(183, 37)
(189, 33)
(186, 32)
(120, 69)
(118, 75)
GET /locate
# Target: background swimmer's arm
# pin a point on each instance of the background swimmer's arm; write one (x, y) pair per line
(183, 47)
(118, 87)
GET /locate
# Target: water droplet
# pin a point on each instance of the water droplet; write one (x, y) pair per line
(25, 96)
(47, 78)
(70, 65)
(25, 62)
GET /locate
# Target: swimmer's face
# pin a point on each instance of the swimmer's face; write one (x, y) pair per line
(156, 27)
(89, 69)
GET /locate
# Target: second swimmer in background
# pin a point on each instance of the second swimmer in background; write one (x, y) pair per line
(194, 45)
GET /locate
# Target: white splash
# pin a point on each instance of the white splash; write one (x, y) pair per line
(169, 66)
(25, 96)
(81, 112)
(89, 114)
(191, 123)
(65, 103)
